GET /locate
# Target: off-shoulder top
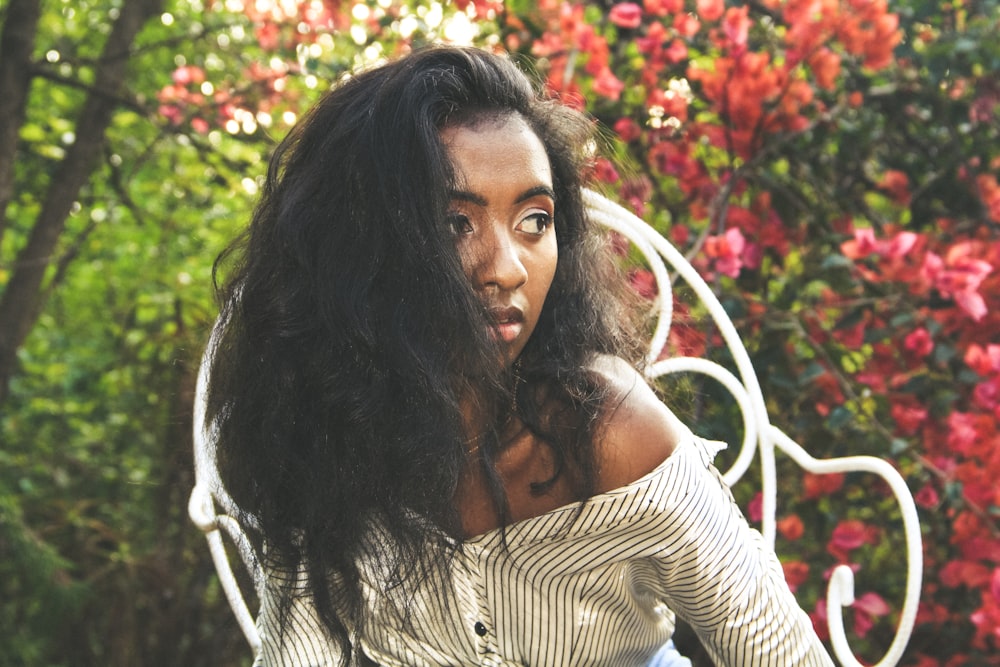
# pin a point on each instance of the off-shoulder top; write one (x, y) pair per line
(597, 585)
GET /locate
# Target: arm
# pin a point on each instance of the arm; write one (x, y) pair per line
(715, 571)
(722, 578)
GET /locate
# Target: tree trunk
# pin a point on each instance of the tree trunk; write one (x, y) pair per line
(17, 41)
(22, 299)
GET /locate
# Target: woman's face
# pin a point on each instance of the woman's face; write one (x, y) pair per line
(502, 214)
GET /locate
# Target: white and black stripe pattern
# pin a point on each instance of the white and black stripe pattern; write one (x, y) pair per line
(598, 588)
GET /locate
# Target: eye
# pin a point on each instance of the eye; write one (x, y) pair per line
(459, 224)
(535, 224)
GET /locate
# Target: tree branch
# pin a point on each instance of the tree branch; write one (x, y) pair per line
(23, 297)
(17, 41)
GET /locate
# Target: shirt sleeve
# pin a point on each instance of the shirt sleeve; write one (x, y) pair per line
(720, 576)
(296, 638)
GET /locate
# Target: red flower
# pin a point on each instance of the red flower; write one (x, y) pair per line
(909, 418)
(816, 486)
(796, 573)
(636, 192)
(825, 65)
(604, 171)
(628, 129)
(970, 574)
(687, 25)
(989, 192)
(897, 185)
(663, 7)
(710, 10)
(791, 527)
(626, 15)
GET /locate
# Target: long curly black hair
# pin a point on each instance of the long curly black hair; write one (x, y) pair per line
(351, 336)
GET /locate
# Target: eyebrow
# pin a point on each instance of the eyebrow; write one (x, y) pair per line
(473, 198)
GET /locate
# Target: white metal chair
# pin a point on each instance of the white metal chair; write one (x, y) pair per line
(213, 511)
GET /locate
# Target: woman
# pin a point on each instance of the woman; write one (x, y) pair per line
(426, 398)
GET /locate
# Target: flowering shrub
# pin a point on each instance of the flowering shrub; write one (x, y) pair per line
(830, 166)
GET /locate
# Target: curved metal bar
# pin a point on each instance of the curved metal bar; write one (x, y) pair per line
(232, 590)
(748, 395)
(733, 386)
(208, 491)
(634, 233)
(841, 588)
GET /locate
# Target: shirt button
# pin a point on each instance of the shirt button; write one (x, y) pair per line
(480, 629)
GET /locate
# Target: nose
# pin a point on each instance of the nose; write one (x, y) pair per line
(500, 265)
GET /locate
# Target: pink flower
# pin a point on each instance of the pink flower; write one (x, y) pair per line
(862, 245)
(848, 536)
(963, 433)
(866, 608)
(958, 276)
(983, 361)
(819, 619)
(736, 27)
(606, 84)
(187, 75)
(643, 282)
(755, 509)
(927, 497)
(987, 394)
(900, 244)
(919, 342)
(676, 52)
(626, 15)
(727, 251)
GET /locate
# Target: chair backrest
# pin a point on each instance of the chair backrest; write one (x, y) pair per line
(213, 511)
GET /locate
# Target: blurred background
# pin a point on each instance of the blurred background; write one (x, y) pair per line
(830, 166)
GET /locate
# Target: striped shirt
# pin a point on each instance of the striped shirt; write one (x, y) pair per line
(601, 587)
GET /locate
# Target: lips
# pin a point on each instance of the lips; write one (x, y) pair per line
(509, 322)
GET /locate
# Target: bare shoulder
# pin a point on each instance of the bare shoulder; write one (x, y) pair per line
(638, 431)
